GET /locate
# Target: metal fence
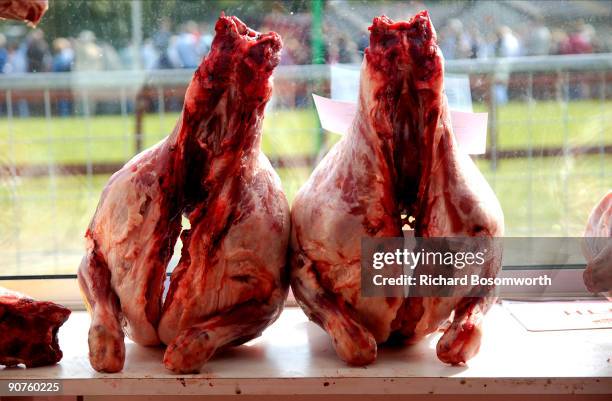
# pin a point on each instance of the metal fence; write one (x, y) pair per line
(46, 200)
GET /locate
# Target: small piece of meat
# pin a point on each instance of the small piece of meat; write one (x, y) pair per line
(28, 330)
(30, 11)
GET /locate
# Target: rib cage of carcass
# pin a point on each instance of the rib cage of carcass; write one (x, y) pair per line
(399, 164)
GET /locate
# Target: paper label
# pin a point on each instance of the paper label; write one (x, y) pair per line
(345, 86)
(335, 115)
(470, 131)
(470, 128)
(344, 81)
(458, 93)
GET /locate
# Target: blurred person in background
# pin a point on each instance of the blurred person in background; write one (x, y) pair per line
(63, 55)
(205, 40)
(88, 57)
(579, 41)
(148, 56)
(3, 53)
(3, 58)
(480, 47)
(537, 38)
(161, 42)
(506, 45)
(342, 50)
(110, 57)
(110, 62)
(173, 55)
(363, 42)
(347, 50)
(558, 40)
(151, 58)
(290, 46)
(476, 41)
(37, 54)
(538, 41)
(187, 45)
(126, 55)
(63, 59)
(17, 63)
(454, 43)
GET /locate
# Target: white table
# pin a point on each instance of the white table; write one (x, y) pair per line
(295, 356)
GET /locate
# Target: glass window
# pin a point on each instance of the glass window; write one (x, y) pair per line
(98, 81)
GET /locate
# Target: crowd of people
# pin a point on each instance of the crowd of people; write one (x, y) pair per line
(164, 50)
(533, 39)
(184, 47)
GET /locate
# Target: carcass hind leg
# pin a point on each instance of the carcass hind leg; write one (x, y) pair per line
(106, 345)
(461, 340)
(353, 343)
(194, 346)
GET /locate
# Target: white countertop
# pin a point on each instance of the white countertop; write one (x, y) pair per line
(295, 356)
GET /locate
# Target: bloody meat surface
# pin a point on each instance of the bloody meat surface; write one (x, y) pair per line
(28, 330)
(23, 10)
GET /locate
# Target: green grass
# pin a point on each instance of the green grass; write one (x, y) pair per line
(38, 216)
(545, 124)
(548, 196)
(110, 138)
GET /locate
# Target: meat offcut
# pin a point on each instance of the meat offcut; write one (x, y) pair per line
(398, 165)
(29, 330)
(230, 282)
(30, 11)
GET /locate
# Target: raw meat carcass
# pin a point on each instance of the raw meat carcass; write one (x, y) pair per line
(399, 164)
(28, 330)
(597, 247)
(230, 282)
(23, 10)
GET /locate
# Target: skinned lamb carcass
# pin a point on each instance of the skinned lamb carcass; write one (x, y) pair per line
(30, 11)
(597, 247)
(230, 282)
(399, 158)
(28, 330)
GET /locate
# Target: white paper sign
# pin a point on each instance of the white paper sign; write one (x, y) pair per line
(470, 128)
(345, 86)
(345, 82)
(458, 93)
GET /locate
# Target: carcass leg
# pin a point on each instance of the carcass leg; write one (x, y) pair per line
(106, 346)
(197, 344)
(461, 340)
(353, 343)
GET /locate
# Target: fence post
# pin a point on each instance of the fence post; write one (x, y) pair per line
(136, 14)
(318, 54)
(492, 109)
(142, 101)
